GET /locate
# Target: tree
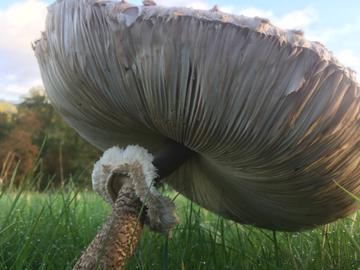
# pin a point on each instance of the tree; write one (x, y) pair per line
(64, 152)
(5, 124)
(17, 148)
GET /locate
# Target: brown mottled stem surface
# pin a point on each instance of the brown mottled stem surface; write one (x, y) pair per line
(118, 238)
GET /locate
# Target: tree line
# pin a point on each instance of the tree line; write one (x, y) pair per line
(36, 141)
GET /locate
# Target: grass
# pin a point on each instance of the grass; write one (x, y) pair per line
(49, 231)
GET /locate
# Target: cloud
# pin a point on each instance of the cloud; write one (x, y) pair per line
(256, 12)
(21, 24)
(327, 35)
(296, 19)
(351, 59)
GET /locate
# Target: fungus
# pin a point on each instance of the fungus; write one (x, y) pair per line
(254, 123)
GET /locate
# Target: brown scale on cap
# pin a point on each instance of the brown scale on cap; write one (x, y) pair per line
(149, 3)
(215, 8)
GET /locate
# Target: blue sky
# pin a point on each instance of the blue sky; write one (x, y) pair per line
(334, 23)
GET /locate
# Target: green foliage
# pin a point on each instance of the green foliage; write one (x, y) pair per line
(49, 231)
(35, 126)
(5, 124)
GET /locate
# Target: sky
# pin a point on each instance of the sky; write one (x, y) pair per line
(336, 24)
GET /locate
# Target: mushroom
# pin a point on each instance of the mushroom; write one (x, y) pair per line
(254, 123)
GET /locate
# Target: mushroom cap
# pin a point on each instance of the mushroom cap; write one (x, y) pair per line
(274, 118)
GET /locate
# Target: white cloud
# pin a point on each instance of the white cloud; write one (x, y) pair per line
(21, 24)
(13, 89)
(326, 35)
(256, 12)
(297, 19)
(351, 59)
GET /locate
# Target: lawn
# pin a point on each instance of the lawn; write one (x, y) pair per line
(49, 231)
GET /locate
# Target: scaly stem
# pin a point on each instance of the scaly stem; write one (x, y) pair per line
(118, 238)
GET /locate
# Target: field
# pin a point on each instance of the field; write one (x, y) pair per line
(49, 231)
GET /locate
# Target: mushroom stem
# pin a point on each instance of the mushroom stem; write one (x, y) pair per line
(125, 178)
(118, 237)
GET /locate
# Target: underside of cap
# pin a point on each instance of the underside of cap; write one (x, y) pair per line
(274, 118)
